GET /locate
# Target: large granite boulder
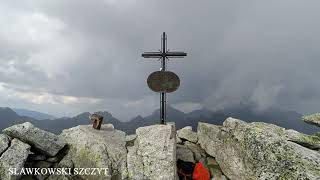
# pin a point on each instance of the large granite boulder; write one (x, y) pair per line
(44, 141)
(153, 155)
(4, 143)
(186, 133)
(208, 138)
(312, 119)
(260, 150)
(92, 148)
(13, 160)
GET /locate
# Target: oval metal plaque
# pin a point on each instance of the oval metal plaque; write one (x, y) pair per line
(163, 81)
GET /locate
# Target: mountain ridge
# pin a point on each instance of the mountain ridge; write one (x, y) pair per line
(33, 114)
(287, 119)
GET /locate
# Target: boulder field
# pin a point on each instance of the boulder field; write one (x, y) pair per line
(236, 150)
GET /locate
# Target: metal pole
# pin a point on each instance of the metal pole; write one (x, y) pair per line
(163, 68)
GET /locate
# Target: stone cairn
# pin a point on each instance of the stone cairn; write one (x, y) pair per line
(96, 120)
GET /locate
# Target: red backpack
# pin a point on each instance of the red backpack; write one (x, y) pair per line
(200, 172)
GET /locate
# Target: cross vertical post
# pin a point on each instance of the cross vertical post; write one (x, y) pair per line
(163, 94)
(163, 54)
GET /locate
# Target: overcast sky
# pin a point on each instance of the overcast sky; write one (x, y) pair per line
(64, 57)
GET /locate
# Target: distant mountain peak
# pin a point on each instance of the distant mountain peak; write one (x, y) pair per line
(8, 112)
(137, 118)
(84, 114)
(169, 109)
(7, 109)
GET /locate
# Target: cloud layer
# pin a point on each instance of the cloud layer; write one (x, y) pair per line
(65, 57)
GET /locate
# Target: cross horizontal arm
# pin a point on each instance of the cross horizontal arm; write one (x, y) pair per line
(152, 55)
(160, 54)
(176, 54)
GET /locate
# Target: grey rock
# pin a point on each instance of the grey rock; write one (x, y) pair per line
(187, 128)
(41, 177)
(311, 142)
(135, 164)
(313, 119)
(42, 164)
(178, 140)
(62, 153)
(208, 138)
(257, 151)
(198, 152)
(130, 139)
(154, 154)
(61, 177)
(28, 177)
(91, 148)
(37, 157)
(14, 157)
(184, 153)
(46, 142)
(53, 159)
(214, 168)
(220, 178)
(108, 127)
(187, 134)
(66, 162)
(4, 143)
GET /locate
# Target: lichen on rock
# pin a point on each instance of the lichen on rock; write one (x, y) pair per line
(91, 148)
(14, 157)
(44, 141)
(312, 119)
(4, 143)
(153, 155)
(186, 133)
(258, 151)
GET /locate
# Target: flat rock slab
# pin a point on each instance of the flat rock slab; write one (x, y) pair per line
(46, 142)
(92, 148)
(153, 155)
(14, 157)
(186, 133)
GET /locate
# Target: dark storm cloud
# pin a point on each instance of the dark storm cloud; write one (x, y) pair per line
(116, 34)
(266, 53)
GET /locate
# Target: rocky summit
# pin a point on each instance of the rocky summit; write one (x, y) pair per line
(235, 150)
(44, 141)
(312, 119)
(260, 150)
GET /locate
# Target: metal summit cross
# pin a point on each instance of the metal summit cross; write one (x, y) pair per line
(164, 75)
